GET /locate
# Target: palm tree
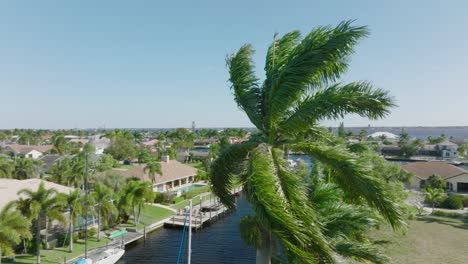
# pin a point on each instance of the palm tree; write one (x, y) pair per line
(434, 195)
(103, 197)
(13, 227)
(152, 167)
(136, 194)
(6, 168)
(43, 204)
(26, 168)
(74, 202)
(298, 92)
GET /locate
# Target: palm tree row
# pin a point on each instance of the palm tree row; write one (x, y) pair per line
(42, 206)
(20, 168)
(299, 91)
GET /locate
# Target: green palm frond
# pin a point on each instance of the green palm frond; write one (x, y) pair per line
(225, 168)
(355, 178)
(13, 227)
(360, 251)
(337, 101)
(272, 207)
(319, 58)
(245, 84)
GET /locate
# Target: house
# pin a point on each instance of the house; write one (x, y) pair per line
(443, 150)
(174, 174)
(29, 151)
(205, 142)
(10, 187)
(100, 143)
(455, 177)
(49, 160)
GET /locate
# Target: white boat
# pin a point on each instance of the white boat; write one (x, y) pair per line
(108, 256)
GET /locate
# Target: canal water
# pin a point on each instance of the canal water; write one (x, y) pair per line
(219, 242)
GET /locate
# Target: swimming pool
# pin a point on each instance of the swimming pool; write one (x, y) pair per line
(189, 188)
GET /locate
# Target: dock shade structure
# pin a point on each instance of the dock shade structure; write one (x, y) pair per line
(455, 177)
(174, 175)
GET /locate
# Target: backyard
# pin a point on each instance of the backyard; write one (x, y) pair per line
(149, 215)
(429, 239)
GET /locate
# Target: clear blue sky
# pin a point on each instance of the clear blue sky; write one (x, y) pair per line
(83, 64)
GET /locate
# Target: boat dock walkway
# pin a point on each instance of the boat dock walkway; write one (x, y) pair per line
(203, 213)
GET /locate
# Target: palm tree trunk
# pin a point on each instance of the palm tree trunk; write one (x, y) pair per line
(46, 229)
(38, 240)
(134, 215)
(99, 223)
(263, 255)
(71, 233)
(0, 255)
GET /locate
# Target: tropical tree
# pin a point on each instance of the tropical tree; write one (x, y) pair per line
(296, 95)
(74, 202)
(7, 168)
(136, 194)
(13, 227)
(103, 197)
(62, 170)
(152, 167)
(26, 168)
(44, 205)
(433, 195)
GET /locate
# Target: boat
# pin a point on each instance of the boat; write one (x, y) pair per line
(108, 256)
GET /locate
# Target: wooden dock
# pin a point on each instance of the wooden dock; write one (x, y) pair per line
(202, 214)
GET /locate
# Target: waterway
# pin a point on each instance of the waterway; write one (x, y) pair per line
(218, 243)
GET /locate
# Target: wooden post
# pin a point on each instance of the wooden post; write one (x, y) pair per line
(144, 234)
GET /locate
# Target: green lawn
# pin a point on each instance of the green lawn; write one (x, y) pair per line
(149, 214)
(196, 165)
(155, 213)
(195, 201)
(427, 240)
(57, 255)
(123, 166)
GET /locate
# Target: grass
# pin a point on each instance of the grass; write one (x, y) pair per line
(429, 239)
(126, 166)
(57, 255)
(196, 165)
(195, 201)
(149, 215)
(155, 213)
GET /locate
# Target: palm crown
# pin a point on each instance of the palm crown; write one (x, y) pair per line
(297, 93)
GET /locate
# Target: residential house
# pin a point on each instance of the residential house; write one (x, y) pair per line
(174, 174)
(29, 151)
(455, 177)
(444, 150)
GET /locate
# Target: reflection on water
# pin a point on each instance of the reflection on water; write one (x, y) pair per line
(217, 243)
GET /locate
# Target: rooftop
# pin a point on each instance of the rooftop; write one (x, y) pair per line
(424, 170)
(24, 149)
(171, 170)
(9, 188)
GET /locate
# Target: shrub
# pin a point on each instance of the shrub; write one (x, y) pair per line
(163, 197)
(452, 202)
(447, 214)
(178, 200)
(92, 232)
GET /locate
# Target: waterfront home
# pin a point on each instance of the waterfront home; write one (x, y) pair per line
(29, 151)
(10, 187)
(174, 174)
(205, 142)
(455, 177)
(443, 150)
